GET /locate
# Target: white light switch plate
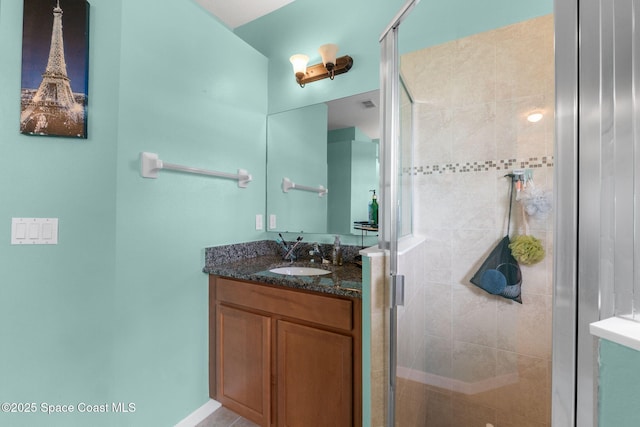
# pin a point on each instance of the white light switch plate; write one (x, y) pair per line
(259, 222)
(272, 222)
(34, 231)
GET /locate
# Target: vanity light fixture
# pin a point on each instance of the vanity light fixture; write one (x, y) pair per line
(330, 67)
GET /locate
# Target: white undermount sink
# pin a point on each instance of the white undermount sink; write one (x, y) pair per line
(299, 271)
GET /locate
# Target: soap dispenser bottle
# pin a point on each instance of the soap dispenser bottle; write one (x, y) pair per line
(373, 209)
(337, 252)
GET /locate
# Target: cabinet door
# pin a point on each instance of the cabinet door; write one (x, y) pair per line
(314, 377)
(243, 365)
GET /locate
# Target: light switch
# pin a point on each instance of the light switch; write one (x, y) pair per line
(20, 230)
(34, 231)
(272, 221)
(47, 231)
(259, 224)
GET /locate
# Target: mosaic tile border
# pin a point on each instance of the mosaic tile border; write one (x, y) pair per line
(505, 164)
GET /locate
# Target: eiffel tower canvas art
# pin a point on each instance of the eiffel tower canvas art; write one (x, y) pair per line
(54, 68)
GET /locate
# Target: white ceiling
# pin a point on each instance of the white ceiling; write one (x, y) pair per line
(238, 12)
(351, 111)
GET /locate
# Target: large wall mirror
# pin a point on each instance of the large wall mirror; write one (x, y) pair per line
(322, 165)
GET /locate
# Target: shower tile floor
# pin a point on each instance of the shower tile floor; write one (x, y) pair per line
(223, 417)
(420, 405)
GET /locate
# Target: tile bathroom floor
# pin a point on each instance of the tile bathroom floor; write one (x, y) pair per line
(223, 417)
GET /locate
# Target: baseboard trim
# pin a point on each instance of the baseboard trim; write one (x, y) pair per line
(199, 414)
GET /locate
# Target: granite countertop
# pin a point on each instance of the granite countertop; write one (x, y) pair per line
(252, 261)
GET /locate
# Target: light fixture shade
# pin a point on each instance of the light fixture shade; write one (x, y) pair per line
(299, 62)
(328, 53)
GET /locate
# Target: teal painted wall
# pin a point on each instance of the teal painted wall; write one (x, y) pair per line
(57, 303)
(117, 311)
(346, 134)
(178, 99)
(619, 385)
(339, 170)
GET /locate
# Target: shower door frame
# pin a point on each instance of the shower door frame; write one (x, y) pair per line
(573, 377)
(390, 218)
(580, 297)
(566, 334)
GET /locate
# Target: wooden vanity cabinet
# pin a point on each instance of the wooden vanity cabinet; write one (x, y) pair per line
(283, 357)
(244, 362)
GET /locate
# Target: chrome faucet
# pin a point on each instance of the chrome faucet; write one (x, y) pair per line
(317, 251)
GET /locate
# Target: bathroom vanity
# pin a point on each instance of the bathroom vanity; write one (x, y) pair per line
(285, 350)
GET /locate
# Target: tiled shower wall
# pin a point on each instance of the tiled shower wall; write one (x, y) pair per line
(468, 357)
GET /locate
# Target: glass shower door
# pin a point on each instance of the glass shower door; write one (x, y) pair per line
(454, 125)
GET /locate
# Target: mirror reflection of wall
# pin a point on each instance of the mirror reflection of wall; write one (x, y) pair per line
(297, 150)
(334, 144)
(353, 175)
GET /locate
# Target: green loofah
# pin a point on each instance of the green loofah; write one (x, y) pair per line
(526, 249)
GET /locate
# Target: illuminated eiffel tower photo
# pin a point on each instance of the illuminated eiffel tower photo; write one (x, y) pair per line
(49, 105)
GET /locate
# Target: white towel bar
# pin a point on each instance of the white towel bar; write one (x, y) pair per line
(150, 164)
(288, 185)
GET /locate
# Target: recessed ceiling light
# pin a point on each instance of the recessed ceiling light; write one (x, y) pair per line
(534, 117)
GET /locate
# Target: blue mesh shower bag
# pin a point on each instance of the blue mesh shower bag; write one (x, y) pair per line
(500, 273)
